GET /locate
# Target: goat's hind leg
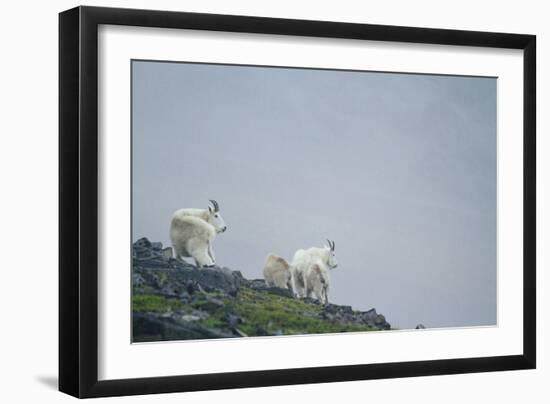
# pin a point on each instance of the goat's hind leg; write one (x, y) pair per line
(211, 253)
(199, 251)
(296, 287)
(307, 292)
(203, 258)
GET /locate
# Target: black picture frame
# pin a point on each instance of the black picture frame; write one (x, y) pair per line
(78, 201)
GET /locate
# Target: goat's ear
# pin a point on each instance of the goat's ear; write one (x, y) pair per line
(210, 209)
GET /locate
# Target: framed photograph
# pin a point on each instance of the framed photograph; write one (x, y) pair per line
(250, 201)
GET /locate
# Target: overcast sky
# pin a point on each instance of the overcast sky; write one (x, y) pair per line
(399, 170)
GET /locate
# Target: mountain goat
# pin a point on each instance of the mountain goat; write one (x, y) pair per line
(277, 272)
(192, 232)
(310, 271)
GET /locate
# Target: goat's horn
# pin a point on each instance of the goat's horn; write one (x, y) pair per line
(215, 205)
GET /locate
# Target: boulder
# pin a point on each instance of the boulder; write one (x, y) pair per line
(172, 277)
(259, 284)
(152, 327)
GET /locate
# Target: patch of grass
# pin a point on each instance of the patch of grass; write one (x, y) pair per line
(214, 321)
(144, 290)
(269, 313)
(162, 277)
(146, 303)
(263, 313)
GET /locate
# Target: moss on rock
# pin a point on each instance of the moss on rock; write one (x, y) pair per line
(148, 303)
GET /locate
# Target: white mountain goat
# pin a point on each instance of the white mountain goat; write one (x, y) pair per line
(310, 271)
(277, 272)
(192, 232)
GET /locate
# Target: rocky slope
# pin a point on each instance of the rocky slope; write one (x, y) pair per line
(173, 300)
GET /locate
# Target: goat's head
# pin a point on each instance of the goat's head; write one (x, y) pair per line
(331, 260)
(215, 217)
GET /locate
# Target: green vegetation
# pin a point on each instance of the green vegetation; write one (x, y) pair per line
(176, 301)
(162, 277)
(265, 312)
(155, 304)
(260, 312)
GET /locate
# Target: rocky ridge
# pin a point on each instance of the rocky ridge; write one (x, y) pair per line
(173, 300)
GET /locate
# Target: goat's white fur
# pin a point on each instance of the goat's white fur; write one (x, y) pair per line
(277, 272)
(192, 232)
(310, 272)
(317, 282)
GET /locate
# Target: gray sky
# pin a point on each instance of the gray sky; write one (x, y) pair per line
(398, 169)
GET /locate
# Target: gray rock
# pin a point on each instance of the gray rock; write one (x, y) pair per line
(171, 291)
(260, 331)
(380, 319)
(179, 276)
(345, 314)
(167, 253)
(151, 327)
(212, 304)
(190, 317)
(203, 315)
(311, 300)
(369, 315)
(137, 279)
(156, 245)
(259, 284)
(233, 320)
(142, 243)
(240, 333)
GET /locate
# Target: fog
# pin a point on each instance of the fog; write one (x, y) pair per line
(398, 169)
